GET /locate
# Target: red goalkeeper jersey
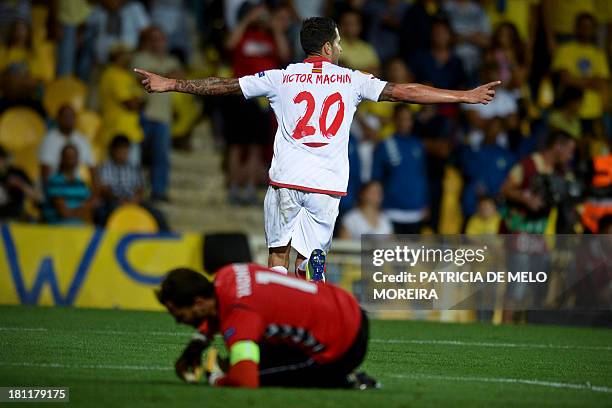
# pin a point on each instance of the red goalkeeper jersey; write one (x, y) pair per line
(256, 303)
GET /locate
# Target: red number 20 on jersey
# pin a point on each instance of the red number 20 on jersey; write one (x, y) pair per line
(303, 129)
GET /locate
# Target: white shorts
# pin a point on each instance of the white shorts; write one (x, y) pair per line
(305, 219)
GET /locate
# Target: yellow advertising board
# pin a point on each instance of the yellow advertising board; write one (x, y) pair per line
(88, 267)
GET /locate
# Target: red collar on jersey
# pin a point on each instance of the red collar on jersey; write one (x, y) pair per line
(318, 58)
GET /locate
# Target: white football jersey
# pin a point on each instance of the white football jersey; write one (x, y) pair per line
(314, 103)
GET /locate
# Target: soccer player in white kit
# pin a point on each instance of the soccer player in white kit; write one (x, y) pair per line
(314, 103)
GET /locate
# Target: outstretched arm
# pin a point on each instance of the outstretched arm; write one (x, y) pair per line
(417, 93)
(206, 86)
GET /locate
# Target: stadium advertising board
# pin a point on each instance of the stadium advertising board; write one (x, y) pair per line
(87, 267)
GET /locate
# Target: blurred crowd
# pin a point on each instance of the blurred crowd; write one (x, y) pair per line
(537, 159)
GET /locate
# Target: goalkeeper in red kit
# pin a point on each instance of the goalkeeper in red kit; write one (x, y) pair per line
(279, 330)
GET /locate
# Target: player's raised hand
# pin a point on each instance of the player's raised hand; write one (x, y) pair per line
(483, 94)
(153, 82)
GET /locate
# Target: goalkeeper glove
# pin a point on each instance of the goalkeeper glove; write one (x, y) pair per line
(188, 367)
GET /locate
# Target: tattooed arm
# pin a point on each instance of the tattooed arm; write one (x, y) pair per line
(206, 86)
(417, 93)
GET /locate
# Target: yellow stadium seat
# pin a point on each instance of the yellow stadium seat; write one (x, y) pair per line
(20, 129)
(62, 91)
(85, 175)
(44, 64)
(131, 218)
(546, 93)
(27, 160)
(88, 123)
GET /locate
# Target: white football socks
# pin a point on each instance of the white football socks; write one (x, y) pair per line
(303, 265)
(280, 269)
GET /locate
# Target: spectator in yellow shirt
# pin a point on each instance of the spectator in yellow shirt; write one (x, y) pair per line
(559, 17)
(582, 65)
(356, 53)
(396, 72)
(522, 13)
(20, 70)
(566, 115)
(486, 220)
(121, 100)
(19, 49)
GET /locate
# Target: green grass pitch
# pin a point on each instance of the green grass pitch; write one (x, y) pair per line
(112, 358)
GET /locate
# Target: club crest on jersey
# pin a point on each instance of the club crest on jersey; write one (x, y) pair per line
(229, 333)
(260, 74)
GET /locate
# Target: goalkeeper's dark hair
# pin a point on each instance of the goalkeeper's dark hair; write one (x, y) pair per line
(315, 32)
(182, 285)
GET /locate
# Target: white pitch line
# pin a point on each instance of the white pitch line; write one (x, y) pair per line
(22, 329)
(487, 344)
(550, 384)
(111, 332)
(386, 341)
(148, 333)
(89, 366)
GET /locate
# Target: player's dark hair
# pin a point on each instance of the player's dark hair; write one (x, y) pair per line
(557, 136)
(315, 32)
(182, 285)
